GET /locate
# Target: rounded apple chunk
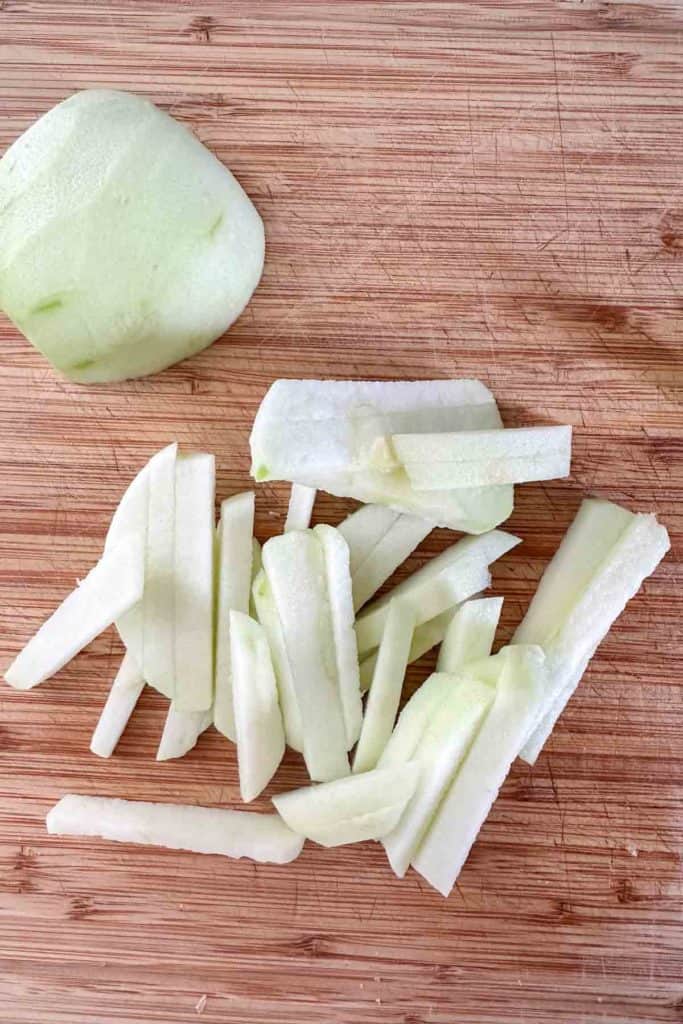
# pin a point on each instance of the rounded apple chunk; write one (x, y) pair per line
(125, 245)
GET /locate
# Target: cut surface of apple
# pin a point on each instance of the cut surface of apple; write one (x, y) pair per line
(324, 433)
(387, 684)
(446, 739)
(181, 731)
(294, 564)
(125, 244)
(260, 837)
(468, 800)
(157, 658)
(123, 696)
(376, 558)
(470, 634)
(480, 458)
(267, 614)
(113, 586)
(258, 721)
(235, 568)
(350, 810)
(344, 647)
(193, 597)
(456, 574)
(414, 719)
(364, 528)
(600, 565)
(300, 509)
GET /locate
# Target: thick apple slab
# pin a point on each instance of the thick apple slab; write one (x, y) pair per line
(182, 729)
(600, 565)
(193, 598)
(456, 574)
(267, 614)
(294, 564)
(300, 509)
(350, 810)
(468, 800)
(324, 434)
(111, 588)
(443, 745)
(235, 569)
(157, 658)
(387, 684)
(480, 458)
(260, 837)
(258, 721)
(344, 647)
(123, 696)
(470, 634)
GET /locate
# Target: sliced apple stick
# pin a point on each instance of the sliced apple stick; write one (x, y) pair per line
(158, 627)
(414, 719)
(295, 567)
(443, 745)
(455, 575)
(267, 615)
(480, 458)
(426, 636)
(111, 588)
(182, 729)
(363, 530)
(345, 650)
(260, 837)
(603, 561)
(387, 684)
(194, 581)
(400, 540)
(123, 696)
(324, 434)
(258, 722)
(256, 566)
(130, 520)
(470, 796)
(300, 510)
(470, 634)
(235, 562)
(350, 810)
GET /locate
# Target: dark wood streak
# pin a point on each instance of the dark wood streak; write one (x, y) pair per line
(487, 189)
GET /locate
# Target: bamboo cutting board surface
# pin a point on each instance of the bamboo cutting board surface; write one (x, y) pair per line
(449, 189)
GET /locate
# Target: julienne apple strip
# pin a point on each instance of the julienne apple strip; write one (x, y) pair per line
(181, 731)
(123, 696)
(300, 509)
(600, 565)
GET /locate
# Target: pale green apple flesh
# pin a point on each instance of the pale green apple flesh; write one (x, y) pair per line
(519, 687)
(323, 434)
(387, 684)
(110, 589)
(455, 575)
(350, 810)
(258, 721)
(260, 837)
(344, 648)
(266, 613)
(443, 745)
(124, 244)
(294, 564)
(480, 458)
(123, 696)
(181, 731)
(300, 508)
(470, 634)
(600, 565)
(235, 561)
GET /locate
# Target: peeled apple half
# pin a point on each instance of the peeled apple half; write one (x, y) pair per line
(125, 245)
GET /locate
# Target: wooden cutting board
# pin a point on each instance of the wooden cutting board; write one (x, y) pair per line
(488, 189)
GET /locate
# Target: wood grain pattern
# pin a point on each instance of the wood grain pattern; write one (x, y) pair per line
(477, 188)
